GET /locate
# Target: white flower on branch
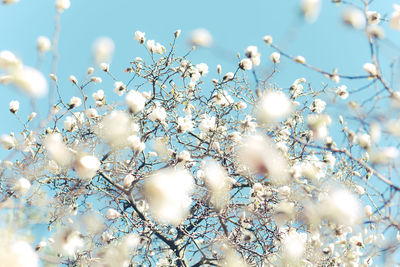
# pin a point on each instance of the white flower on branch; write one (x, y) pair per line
(119, 88)
(158, 114)
(168, 194)
(207, 123)
(371, 69)
(86, 166)
(275, 57)
(17, 253)
(43, 44)
(112, 214)
(14, 106)
(185, 124)
(140, 37)
(246, 64)
(135, 101)
(75, 102)
(58, 150)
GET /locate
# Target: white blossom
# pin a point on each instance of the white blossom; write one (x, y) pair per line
(135, 101)
(246, 64)
(112, 214)
(14, 106)
(318, 106)
(355, 18)
(373, 17)
(371, 69)
(98, 96)
(140, 37)
(168, 194)
(185, 124)
(158, 114)
(202, 68)
(22, 186)
(119, 88)
(43, 44)
(87, 166)
(207, 123)
(275, 57)
(75, 102)
(342, 92)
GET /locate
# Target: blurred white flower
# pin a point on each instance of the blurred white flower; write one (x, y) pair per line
(68, 241)
(135, 101)
(260, 155)
(22, 186)
(273, 106)
(8, 142)
(43, 44)
(103, 50)
(87, 166)
(228, 76)
(253, 54)
(9, 62)
(168, 194)
(311, 9)
(218, 183)
(135, 143)
(294, 245)
(30, 81)
(201, 37)
(58, 150)
(207, 123)
(62, 5)
(340, 206)
(17, 253)
(355, 18)
(115, 128)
